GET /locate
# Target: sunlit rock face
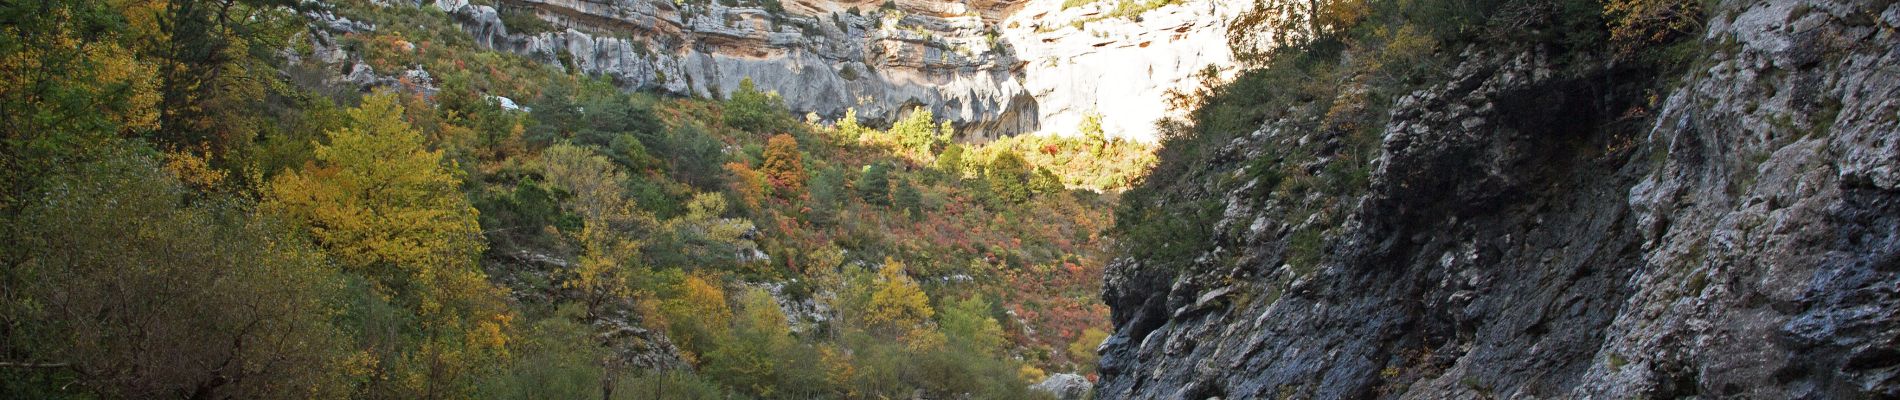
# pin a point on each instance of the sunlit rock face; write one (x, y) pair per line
(994, 68)
(1118, 68)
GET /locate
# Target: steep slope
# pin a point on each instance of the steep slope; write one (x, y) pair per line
(1543, 222)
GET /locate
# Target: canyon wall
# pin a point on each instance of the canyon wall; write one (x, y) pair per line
(995, 68)
(1531, 230)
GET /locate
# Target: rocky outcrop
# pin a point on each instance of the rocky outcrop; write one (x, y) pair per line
(994, 68)
(1064, 386)
(1531, 232)
(534, 277)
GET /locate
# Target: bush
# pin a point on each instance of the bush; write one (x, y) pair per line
(919, 131)
(523, 21)
(1637, 23)
(1008, 177)
(146, 294)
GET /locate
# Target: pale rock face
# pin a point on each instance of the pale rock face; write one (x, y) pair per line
(1064, 386)
(982, 65)
(1117, 68)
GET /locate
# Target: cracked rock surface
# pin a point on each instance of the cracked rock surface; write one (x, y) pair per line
(1520, 239)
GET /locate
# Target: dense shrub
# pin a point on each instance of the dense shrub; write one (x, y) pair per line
(754, 111)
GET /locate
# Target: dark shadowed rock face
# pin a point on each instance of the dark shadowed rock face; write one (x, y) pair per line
(1524, 237)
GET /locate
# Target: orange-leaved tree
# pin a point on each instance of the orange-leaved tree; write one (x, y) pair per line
(784, 166)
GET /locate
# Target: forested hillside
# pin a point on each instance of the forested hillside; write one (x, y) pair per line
(201, 201)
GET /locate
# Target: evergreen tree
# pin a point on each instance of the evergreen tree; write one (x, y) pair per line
(908, 199)
(874, 185)
(210, 70)
(827, 193)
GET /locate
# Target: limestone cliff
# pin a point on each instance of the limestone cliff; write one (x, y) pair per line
(1082, 61)
(1530, 229)
(995, 68)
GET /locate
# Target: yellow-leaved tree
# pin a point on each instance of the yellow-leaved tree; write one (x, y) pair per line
(609, 222)
(898, 304)
(696, 315)
(388, 208)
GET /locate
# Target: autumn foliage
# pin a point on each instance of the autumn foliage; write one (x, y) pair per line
(220, 224)
(784, 166)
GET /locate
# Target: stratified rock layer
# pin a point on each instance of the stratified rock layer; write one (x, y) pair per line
(1040, 74)
(1522, 239)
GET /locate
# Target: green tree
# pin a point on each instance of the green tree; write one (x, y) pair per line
(950, 161)
(1008, 177)
(968, 324)
(62, 78)
(137, 292)
(874, 184)
(1045, 182)
(919, 131)
(827, 193)
(608, 113)
(212, 68)
(557, 357)
(908, 199)
(754, 111)
(553, 115)
(696, 156)
(750, 358)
